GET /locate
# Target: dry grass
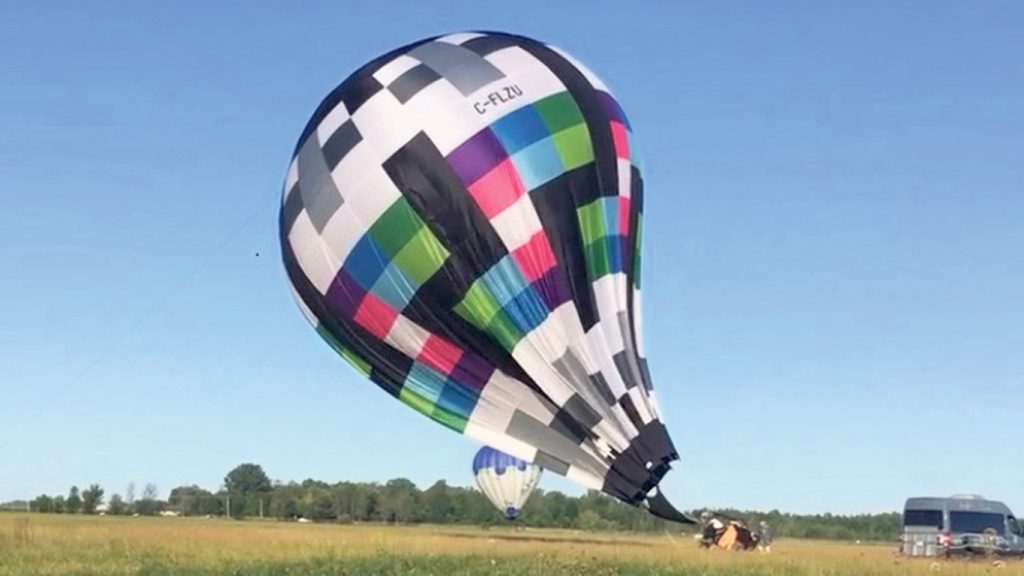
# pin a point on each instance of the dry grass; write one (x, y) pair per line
(42, 545)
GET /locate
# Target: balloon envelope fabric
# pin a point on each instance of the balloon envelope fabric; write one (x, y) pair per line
(461, 221)
(506, 480)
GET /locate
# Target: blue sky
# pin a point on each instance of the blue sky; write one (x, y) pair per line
(832, 267)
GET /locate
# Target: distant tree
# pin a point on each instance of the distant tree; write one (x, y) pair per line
(14, 505)
(146, 507)
(472, 507)
(320, 505)
(92, 497)
(212, 505)
(564, 510)
(188, 500)
(73, 504)
(550, 509)
(42, 503)
(591, 520)
(150, 504)
(285, 501)
(247, 479)
(357, 501)
(247, 485)
(399, 499)
(117, 506)
(436, 504)
(129, 495)
(366, 502)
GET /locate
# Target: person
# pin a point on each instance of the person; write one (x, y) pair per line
(713, 528)
(746, 539)
(764, 537)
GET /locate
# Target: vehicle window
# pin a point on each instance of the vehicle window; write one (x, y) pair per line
(976, 522)
(929, 518)
(1014, 525)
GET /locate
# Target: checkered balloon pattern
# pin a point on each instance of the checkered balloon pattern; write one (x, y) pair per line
(461, 221)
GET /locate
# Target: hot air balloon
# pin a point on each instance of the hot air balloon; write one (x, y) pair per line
(461, 221)
(506, 480)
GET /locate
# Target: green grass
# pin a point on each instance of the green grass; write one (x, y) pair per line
(41, 545)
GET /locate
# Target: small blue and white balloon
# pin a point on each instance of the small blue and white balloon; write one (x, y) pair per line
(506, 480)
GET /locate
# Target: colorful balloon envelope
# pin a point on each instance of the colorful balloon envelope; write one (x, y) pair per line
(506, 480)
(461, 221)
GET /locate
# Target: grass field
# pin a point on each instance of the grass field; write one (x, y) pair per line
(43, 544)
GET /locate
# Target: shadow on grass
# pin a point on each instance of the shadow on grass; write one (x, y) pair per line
(547, 539)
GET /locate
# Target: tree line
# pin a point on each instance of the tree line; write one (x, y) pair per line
(248, 492)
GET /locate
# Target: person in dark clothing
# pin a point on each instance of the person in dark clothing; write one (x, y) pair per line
(713, 528)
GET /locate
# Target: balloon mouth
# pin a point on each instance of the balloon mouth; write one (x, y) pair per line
(662, 508)
(656, 502)
(511, 513)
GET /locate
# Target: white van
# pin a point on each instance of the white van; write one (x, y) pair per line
(960, 524)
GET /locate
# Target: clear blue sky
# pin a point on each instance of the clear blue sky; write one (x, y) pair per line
(833, 251)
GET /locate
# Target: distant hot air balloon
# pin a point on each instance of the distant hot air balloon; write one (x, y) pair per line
(506, 480)
(461, 221)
